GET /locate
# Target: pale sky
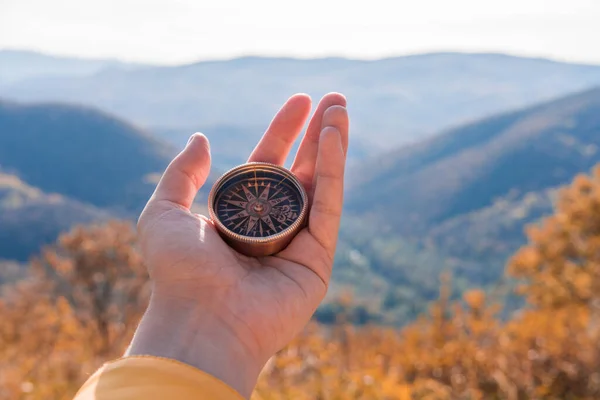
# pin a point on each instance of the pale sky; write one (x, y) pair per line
(180, 31)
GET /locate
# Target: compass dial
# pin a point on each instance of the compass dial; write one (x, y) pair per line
(258, 204)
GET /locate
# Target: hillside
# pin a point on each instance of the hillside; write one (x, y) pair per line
(392, 101)
(467, 168)
(224, 155)
(80, 153)
(18, 65)
(230, 145)
(460, 201)
(30, 218)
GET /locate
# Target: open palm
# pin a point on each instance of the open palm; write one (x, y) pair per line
(256, 305)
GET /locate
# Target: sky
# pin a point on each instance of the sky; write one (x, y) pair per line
(183, 31)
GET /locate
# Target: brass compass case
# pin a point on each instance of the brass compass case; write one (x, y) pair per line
(258, 208)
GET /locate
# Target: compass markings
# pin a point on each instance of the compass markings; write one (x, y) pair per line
(267, 219)
(255, 181)
(237, 214)
(241, 214)
(240, 224)
(234, 193)
(251, 224)
(241, 204)
(277, 192)
(249, 195)
(278, 200)
(265, 193)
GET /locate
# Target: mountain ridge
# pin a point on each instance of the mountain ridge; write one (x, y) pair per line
(471, 148)
(393, 101)
(31, 218)
(460, 201)
(23, 52)
(498, 55)
(80, 152)
(17, 65)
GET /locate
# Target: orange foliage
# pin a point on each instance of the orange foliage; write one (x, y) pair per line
(455, 352)
(549, 350)
(78, 308)
(84, 296)
(561, 264)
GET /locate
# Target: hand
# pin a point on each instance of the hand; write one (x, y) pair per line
(214, 308)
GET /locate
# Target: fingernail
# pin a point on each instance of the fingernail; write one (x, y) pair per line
(191, 139)
(332, 129)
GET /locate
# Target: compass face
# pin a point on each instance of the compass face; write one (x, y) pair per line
(258, 201)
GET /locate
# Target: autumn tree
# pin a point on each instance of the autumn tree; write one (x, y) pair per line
(98, 270)
(561, 263)
(77, 308)
(559, 268)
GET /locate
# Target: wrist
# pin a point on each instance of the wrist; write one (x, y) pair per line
(183, 332)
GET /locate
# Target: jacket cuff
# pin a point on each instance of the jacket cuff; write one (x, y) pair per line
(150, 377)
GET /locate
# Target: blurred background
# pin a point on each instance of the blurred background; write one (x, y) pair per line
(469, 257)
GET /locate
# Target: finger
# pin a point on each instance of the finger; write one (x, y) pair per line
(283, 131)
(337, 117)
(326, 209)
(304, 163)
(186, 174)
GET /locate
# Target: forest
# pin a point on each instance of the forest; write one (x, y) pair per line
(78, 304)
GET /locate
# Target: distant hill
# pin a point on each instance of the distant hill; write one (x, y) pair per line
(467, 168)
(461, 200)
(392, 101)
(230, 145)
(30, 218)
(81, 153)
(62, 165)
(17, 65)
(488, 235)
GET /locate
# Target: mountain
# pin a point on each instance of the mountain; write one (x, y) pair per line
(18, 65)
(392, 101)
(62, 165)
(460, 200)
(31, 218)
(467, 168)
(230, 145)
(491, 233)
(81, 153)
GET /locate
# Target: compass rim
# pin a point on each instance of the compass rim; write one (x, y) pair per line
(285, 233)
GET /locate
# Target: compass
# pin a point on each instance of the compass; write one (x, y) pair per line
(258, 208)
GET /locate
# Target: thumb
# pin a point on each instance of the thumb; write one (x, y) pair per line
(186, 174)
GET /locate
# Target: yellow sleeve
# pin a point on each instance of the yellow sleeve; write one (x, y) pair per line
(149, 378)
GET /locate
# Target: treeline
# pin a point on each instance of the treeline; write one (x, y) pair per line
(83, 296)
